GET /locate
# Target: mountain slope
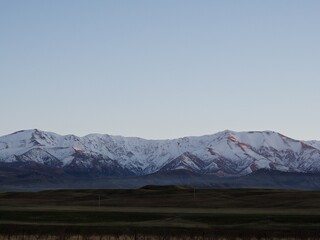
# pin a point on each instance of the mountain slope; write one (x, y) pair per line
(225, 153)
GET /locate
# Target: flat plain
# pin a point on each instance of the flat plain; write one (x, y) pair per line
(166, 210)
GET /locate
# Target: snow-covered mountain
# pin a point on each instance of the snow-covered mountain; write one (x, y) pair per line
(315, 144)
(226, 153)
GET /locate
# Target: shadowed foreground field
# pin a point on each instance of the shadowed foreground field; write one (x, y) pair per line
(159, 213)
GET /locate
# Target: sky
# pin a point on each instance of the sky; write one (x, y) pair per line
(160, 69)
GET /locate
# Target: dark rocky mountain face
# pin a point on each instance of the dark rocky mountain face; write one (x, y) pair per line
(185, 161)
(40, 156)
(86, 165)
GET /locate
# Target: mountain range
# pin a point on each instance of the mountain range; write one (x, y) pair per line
(35, 156)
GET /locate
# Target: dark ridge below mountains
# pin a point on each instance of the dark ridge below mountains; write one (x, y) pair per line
(266, 179)
(166, 187)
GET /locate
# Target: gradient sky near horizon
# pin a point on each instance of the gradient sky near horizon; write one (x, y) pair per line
(160, 69)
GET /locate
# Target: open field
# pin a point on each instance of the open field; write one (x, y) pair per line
(171, 211)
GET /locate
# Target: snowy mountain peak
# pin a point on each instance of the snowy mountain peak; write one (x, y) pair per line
(224, 153)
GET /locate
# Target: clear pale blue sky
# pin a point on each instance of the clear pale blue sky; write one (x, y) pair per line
(160, 69)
